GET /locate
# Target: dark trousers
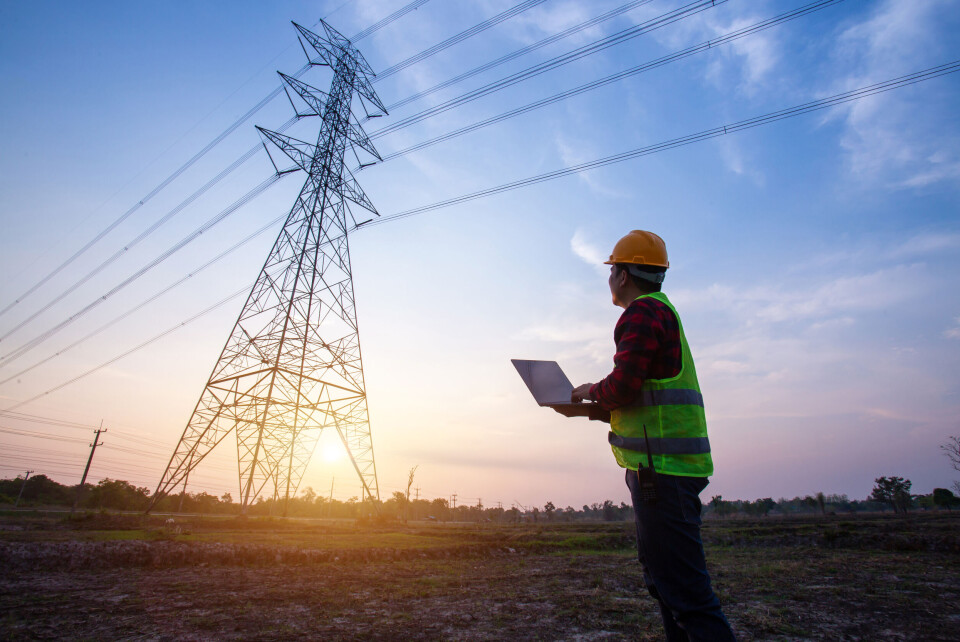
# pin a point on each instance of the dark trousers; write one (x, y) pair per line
(674, 566)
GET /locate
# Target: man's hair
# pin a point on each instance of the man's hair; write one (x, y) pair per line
(647, 285)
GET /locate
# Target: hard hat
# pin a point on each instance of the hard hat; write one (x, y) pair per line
(640, 248)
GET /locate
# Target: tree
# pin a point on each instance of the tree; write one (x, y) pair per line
(549, 509)
(118, 494)
(944, 498)
(952, 450)
(894, 491)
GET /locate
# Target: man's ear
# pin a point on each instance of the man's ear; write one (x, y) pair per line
(622, 276)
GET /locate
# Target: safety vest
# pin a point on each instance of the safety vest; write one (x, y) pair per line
(672, 411)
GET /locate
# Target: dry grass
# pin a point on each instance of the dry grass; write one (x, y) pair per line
(836, 579)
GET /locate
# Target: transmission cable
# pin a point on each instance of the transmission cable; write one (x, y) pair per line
(154, 339)
(521, 52)
(192, 161)
(207, 225)
(150, 299)
(856, 94)
(37, 419)
(250, 153)
(554, 63)
(460, 37)
(595, 84)
(399, 13)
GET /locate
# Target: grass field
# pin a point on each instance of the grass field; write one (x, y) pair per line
(130, 577)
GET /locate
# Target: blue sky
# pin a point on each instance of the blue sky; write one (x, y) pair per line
(814, 261)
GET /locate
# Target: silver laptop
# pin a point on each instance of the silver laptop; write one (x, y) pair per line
(546, 381)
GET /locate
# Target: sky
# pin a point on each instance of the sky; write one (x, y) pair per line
(815, 261)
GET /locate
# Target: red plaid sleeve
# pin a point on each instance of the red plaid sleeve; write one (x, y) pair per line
(648, 347)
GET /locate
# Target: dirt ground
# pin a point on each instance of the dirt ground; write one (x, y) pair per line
(881, 579)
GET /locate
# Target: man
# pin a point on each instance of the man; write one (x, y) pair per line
(659, 435)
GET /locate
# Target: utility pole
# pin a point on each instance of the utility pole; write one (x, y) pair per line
(22, 486)
(93, 448)
(454, 499)
(291, 367)
(417, 489)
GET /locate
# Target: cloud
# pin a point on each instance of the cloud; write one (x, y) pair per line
(833, 300)
(924, 245)
(551, 18)
(895, 139)
(954, 332)
(572, 332)
(588, 252)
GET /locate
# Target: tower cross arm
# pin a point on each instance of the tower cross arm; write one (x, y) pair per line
(313, 97)
(358, 137)
(333, 48)
(351, 190)
(300, 152)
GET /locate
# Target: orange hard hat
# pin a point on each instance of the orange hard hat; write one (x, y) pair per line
(640, 248)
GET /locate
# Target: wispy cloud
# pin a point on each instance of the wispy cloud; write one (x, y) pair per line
(890, 139)
(588, 251)
(954, 332)
(832, 300)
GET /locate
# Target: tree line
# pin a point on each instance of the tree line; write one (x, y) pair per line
(889, 493)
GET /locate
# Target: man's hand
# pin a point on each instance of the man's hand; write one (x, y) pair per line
(589, 410)
(582, 410)
(581, 393)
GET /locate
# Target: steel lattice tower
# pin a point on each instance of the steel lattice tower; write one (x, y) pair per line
(292, 366)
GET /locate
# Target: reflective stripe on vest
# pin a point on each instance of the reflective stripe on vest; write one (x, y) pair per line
(662, 445)
(670, 397)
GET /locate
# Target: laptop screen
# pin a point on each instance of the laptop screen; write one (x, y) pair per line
(546, 381)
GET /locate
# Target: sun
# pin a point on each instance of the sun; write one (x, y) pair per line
(332, 452)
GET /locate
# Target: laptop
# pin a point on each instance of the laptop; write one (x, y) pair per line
(546, 381)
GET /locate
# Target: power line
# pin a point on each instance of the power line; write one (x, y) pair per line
(149, 300)
(132, 243)
(135, 349)
(723, 130)
(207, 225)
(554, 63)
(399, 13)
(647, 66)
(21, 416)
(521, 52)
(460, 37)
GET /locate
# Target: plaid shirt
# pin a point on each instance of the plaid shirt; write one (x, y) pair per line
(648, 347)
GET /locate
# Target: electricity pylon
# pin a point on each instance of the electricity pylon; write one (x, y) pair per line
(292, 367)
